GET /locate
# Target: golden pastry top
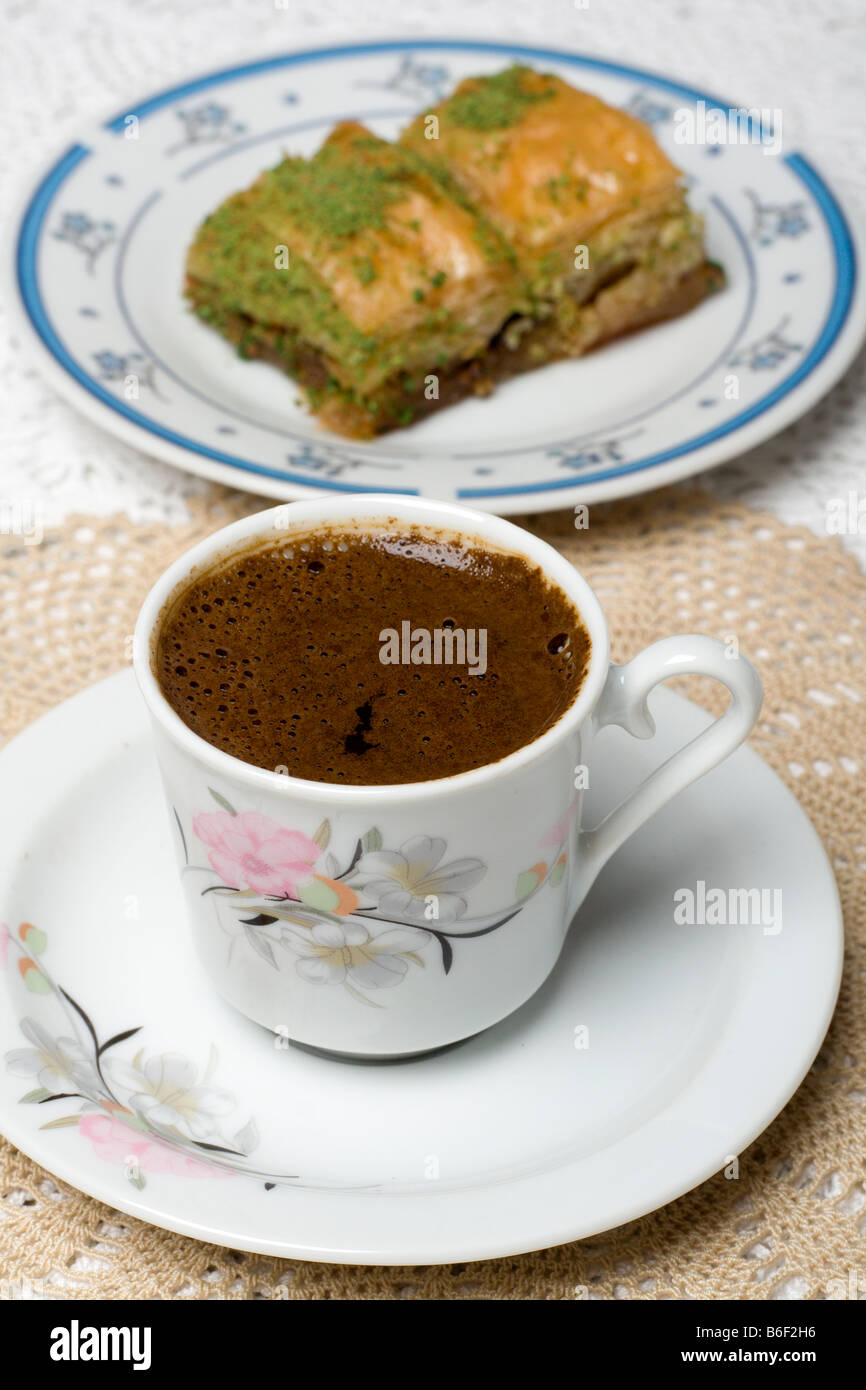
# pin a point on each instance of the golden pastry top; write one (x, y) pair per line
(426, 254)
(385, 266)
(545, 162)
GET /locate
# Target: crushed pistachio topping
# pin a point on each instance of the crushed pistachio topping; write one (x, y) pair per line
(365, 270)
(340, 193)
(565, 186)
(496, 102)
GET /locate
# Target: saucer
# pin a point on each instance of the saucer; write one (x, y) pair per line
(656, 1052)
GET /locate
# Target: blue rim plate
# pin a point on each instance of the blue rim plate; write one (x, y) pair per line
(98, 266)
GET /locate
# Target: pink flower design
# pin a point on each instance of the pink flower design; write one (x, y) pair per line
(4, 943)
(249, 850)
(115, 1142)
(558, 833)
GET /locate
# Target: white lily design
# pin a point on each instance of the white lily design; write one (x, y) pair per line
(401, 882)
(164, 1092)
(57, 1064)
(353, 952)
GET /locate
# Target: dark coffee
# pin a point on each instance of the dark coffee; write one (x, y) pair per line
(391, 656)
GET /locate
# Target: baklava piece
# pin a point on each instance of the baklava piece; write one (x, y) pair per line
(360, 272)
(518, 223)
(593, 210)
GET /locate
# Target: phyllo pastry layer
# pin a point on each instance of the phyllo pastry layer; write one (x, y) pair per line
(548, 164)
(579, 189)
(518, 223)
(356, 269)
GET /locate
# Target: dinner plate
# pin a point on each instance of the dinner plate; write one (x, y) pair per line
(100, 250)
(653, 1055)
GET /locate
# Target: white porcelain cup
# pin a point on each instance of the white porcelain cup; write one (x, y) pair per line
(385, 921)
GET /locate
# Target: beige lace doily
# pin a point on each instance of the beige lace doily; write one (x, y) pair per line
(793, 1224)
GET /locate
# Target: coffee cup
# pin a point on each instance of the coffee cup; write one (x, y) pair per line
(385, 921)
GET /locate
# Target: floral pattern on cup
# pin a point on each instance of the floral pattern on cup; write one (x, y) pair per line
(250, 851)
(361, 923)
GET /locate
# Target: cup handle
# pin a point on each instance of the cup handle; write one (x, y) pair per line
(624, 702)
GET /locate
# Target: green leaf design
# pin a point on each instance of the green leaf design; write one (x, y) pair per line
(318, 895)
(322, 836)
(62, 1123)
(36, 982)
(527, 882)
(34, 1097)
(132, 1121)
(137, 1179)
(556, 873)
(221, 801)
(372, 840)
(35, 941)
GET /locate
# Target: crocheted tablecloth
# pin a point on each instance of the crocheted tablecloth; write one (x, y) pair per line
(793, 1224)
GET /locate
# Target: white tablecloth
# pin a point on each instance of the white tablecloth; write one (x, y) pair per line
(62, 63)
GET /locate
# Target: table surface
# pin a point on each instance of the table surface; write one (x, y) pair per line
(65, 64)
